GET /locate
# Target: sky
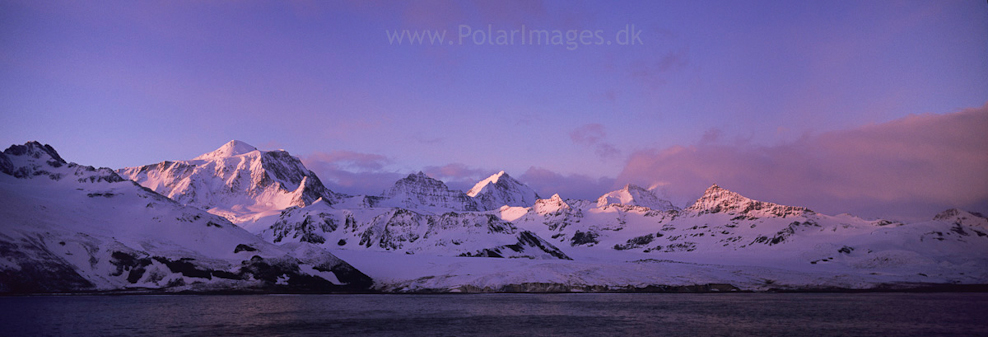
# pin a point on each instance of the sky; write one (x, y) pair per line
(877, 108)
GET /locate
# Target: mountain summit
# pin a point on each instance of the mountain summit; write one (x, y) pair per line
(236, 181)
(230, 149)
(955, 215)
(36, 160)
(719, 200)
(501, 189)
(419, 191)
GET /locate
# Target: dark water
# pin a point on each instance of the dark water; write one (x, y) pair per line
(873, 314)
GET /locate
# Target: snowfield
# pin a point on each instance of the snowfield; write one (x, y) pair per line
(243, 219)
(67, 227)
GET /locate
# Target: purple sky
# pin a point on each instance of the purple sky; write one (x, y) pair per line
(873, 107)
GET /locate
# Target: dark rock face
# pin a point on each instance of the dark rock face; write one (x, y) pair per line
(785, 233)
(307, 230)
(584, 238)
(134, 264)
(637, 242)
(244, 248)
(6, 166)
(43, 161)
(37, 151)
(526, 240)
(46, 273)
(286, 167)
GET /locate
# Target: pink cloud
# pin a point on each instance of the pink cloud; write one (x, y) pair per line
(910, 167)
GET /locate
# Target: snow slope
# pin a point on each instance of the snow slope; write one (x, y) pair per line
(236, 181)
(501, 189)
(68, 227)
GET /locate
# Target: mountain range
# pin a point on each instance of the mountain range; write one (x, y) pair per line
(246, 220)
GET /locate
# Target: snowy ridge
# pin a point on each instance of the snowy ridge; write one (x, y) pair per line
(409, 232)
(719, 200)
(553, 205)
(419, 191)
(34, 159)
(632, 195)
(68, 227)
(963, 218)
(501, 189)
(236, 181)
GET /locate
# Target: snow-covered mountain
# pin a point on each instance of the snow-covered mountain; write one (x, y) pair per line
(718, 200)
(501, 189)
(419, 191)
(963, 217)
(632, 195)
(236, 181)
(68, 227)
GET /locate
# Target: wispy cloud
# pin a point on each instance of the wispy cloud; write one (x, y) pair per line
(352, 172)
(593, 136)
(359, 160)
(547, 182)
(458, 176)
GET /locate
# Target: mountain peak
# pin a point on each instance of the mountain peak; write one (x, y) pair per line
(493, 179)
(555, 204)
(252, 183)
(500, 189)
(230, 149)
(634, 195)
(418, 190)
(36, 159)
(962, 217)
(720, 200)
(35, 150)
(714, 189)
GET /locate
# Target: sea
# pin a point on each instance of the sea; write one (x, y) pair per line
(590, 314)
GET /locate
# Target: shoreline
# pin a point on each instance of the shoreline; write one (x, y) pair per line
(715, 288)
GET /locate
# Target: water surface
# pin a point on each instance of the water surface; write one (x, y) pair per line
(869, 314)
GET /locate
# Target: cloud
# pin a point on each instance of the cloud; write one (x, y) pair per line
(656, 72)
(363, 161)
(352, 172)
(546, 183)
(910, 168)
(592, 136)
(458, 176)
(588, 134)
(455, 171)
